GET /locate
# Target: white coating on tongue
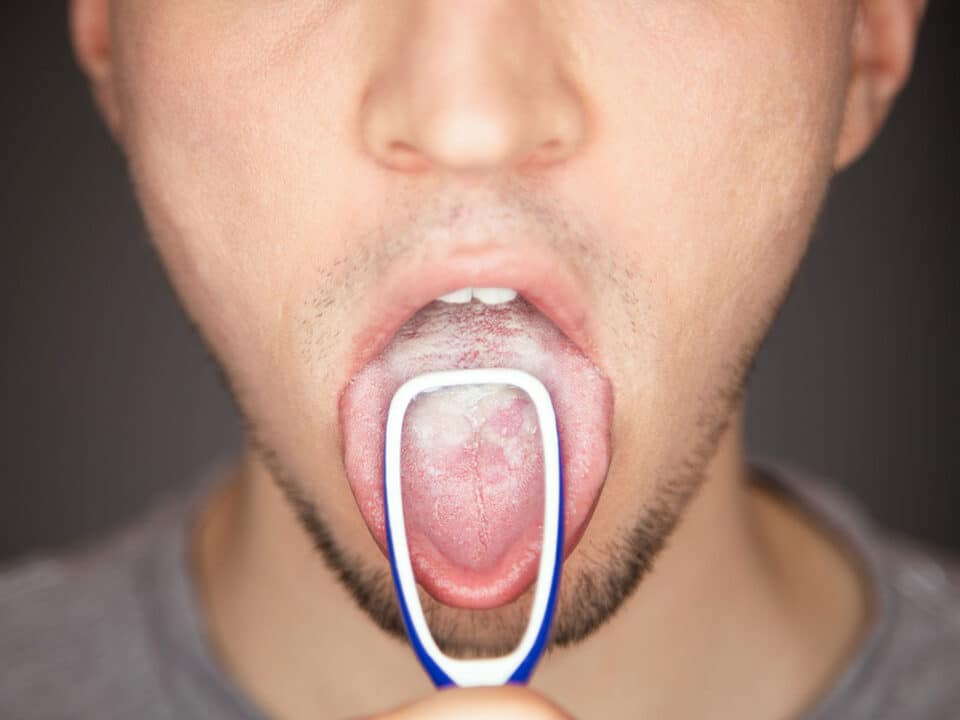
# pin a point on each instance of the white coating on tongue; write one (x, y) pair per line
(472, 471)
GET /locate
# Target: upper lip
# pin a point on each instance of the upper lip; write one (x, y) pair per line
(553, 286)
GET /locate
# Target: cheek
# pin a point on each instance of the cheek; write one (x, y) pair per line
(717, 141)
(231, 150)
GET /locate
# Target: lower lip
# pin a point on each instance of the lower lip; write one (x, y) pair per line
(523, 339)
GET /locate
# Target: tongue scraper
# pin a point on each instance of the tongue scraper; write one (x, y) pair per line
(519, 664)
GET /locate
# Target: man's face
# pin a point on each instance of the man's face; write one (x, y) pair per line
(645, 174)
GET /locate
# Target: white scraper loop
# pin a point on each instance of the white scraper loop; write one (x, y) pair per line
(519, 664)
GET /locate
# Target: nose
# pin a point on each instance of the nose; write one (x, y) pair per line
(471, 85)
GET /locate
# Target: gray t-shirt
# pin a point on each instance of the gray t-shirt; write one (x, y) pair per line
(116, 631)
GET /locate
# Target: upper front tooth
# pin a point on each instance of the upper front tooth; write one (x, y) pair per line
(463, 295)
(494, 296)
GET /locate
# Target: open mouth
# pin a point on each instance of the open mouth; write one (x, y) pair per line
(471, 458)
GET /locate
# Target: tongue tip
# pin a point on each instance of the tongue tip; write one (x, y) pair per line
(492, 583)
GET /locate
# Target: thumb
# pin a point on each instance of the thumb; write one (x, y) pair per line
(510, 702)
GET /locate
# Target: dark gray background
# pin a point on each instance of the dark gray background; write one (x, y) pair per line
(108, 398)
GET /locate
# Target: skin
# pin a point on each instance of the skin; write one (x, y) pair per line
(288, 156)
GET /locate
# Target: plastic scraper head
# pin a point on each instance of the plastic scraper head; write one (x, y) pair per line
(518, 665)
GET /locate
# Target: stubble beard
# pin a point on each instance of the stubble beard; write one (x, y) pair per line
(604, 579)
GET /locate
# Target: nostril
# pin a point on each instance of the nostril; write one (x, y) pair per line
(551, 148)
(546, 154)
(404, 156)
(398, 147)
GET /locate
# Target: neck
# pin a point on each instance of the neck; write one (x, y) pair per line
(747, 604)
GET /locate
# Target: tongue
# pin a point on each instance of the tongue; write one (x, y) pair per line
(471, 460)
(472, 472)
